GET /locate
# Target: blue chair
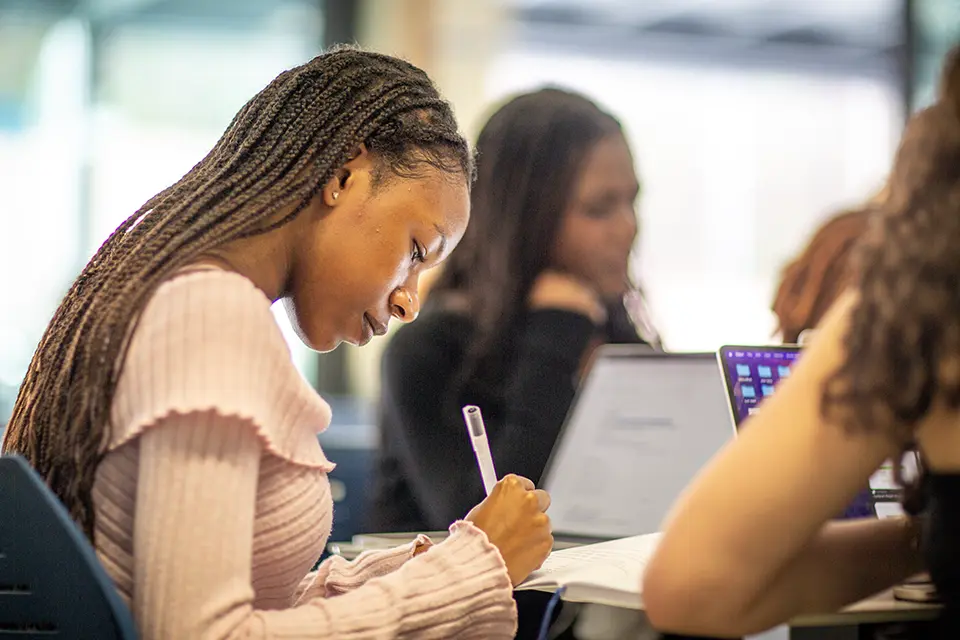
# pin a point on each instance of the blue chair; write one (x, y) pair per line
(51, 581)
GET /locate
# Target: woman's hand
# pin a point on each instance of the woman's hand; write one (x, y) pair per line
(514, 519)
(559, 290)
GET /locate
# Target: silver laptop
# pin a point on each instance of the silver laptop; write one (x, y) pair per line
(642, 425)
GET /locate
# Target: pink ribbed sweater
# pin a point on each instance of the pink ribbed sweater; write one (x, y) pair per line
(213, 503)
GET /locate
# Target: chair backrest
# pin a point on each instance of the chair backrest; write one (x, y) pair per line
(51, 582)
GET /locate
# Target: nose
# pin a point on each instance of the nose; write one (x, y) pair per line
(405, 304)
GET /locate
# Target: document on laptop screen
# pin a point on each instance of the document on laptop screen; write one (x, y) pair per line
(640, 430)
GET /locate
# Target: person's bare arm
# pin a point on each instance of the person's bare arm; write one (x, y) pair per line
(748, 546)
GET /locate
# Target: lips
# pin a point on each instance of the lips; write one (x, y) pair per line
(370, 327)
(366, 331)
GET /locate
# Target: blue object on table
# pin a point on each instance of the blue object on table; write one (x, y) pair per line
(51, 582)
(548, 614)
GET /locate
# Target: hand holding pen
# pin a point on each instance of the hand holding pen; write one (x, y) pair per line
(513, 514)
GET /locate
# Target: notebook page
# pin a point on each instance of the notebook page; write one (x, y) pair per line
(615, 566)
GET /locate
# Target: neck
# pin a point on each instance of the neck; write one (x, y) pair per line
(263, 259)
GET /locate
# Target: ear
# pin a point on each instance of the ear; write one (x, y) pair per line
(359, 152)
(346, 176)
(333, 190)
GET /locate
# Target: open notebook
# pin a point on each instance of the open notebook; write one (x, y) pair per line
(604, 573)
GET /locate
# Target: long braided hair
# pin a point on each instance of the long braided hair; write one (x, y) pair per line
(902, 349)
(813, 281)
(530, 153)
(275, 156)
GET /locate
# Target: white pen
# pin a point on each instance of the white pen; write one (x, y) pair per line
(481, 447)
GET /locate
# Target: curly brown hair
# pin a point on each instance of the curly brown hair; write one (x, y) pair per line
(902, 348)
(814, 280)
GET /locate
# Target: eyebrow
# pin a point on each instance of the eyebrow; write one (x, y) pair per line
(443, 239)
(612, 194)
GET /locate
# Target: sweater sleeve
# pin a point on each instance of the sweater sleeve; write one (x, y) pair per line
(336, 576)
(427, 434)
(193, 537)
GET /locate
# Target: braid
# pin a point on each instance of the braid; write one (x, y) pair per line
(275, 156)
(903, 344)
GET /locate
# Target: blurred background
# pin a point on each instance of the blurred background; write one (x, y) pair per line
(751, 121)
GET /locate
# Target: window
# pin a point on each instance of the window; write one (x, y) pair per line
(101, 110)
(936, 28)
(743, 143)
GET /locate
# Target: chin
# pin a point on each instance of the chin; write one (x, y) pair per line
(320, 344)
(326, 346)
(314, 340)
(610, 287)
(614, 295)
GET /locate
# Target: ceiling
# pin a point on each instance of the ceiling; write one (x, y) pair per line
(858, 37)
(871, 24)
(839, 34)
(874, 24)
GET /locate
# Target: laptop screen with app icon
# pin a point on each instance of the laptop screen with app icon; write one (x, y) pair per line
(752, 374)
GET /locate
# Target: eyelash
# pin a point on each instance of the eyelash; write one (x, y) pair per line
(418, 253)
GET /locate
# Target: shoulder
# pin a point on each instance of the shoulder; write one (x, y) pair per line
(213, 318)
(210, 294)
(208, 341)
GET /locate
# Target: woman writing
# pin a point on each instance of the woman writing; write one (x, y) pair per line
(164, 410)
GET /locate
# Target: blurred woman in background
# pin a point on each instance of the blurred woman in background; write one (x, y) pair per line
(540, 279)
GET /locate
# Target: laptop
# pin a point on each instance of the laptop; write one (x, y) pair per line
(642, 424)
(752, 373)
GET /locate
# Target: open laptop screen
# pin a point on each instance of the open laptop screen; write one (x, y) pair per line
(642, 425)
(751, 374)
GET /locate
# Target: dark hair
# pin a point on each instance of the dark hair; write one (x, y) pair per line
(529, 155)
(276, 155)
(814, 280)
(902, 348)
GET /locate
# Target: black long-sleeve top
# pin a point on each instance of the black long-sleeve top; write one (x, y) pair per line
(426, 474)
